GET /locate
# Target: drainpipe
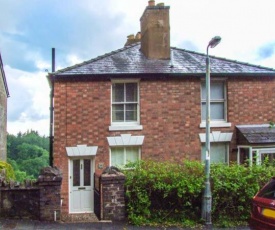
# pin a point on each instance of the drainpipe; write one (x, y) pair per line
(51, 81)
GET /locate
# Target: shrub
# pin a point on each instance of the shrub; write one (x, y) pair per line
(233, 188)
(8, 171)
(163, 192)
(166, 193)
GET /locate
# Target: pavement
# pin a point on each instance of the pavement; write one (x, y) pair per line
(8, 224)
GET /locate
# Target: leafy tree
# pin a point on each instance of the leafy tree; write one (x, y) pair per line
(27, 153)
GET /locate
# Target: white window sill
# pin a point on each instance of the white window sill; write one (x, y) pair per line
(216, 124)
(125, 127)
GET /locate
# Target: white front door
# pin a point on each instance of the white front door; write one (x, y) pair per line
(81, 185)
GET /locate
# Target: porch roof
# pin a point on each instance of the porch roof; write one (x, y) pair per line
(255, 134)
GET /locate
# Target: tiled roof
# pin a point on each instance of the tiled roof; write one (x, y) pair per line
(258, 134)
(130, 60)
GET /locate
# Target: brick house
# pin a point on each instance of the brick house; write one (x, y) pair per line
(147, 101)
(4, 94)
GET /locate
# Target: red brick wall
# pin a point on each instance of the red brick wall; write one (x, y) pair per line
(250, 101)
(170, 115)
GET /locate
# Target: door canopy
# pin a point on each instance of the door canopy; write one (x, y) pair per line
(81, 151)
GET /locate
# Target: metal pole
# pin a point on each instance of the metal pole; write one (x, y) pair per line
(207, 196)
(51, 111)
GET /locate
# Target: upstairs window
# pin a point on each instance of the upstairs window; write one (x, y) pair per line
(217, 101)
(125, 103)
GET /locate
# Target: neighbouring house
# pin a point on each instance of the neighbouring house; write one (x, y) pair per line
(147, 101)
(4, 94)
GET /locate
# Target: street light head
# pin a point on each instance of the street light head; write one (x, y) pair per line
(214, 41)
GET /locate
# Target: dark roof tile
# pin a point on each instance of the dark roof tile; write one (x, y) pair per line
(258, 134)
(130, 60)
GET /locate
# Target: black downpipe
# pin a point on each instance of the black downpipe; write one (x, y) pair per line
(51, 109)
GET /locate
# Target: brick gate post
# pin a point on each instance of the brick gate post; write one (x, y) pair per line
(112, 195)
(49, 182)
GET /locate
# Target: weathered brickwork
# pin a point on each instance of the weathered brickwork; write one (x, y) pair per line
(3, 120)
(39, 200)
(113, 197)
(170, 113)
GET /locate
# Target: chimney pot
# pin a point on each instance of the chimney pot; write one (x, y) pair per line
(130, 37)
(138, 36)
(151, 3)
(160, 4)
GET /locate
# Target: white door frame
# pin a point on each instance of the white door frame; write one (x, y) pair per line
(81, 189)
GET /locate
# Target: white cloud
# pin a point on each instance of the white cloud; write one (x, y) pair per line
(28, 104)
(81, 30)
(42, 126)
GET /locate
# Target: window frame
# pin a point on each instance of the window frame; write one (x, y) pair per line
(124, 154)
(125, 125)
(217, 122)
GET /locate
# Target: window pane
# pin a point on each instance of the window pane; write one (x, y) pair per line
(132, 154)
(131, 92)
(218, 153)
(268, 158)
(203, 91)
(217, 111)
(76, 172)
(118, 92)
(118, 113)
(87, 172)
(131, 112)
(268, 191)
(117, 156)
(217, 90)
(203, 111)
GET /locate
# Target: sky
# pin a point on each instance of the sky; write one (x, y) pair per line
(80, 30)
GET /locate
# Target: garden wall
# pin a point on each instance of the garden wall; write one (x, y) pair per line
(39, 200)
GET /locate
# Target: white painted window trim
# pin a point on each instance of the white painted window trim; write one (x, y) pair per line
(125, 127)
(125, 140)
(116, 126)
(216, 124)
(216, 136)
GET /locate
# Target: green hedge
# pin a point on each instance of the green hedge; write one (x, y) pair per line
(171, 193)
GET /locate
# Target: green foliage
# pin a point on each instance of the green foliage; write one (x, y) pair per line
(162, 193)
(27, 153)
(167, 193)
(8, 169)
(233, 188)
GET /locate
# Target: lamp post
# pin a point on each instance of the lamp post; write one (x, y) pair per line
(207, 196)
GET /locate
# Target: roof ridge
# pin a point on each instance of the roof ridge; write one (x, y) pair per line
(226, 59)
(95, 59)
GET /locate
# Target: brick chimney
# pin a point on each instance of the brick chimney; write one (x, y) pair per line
(155, 31)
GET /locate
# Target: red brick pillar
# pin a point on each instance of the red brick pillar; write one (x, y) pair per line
(49, 182)
(113, 196)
